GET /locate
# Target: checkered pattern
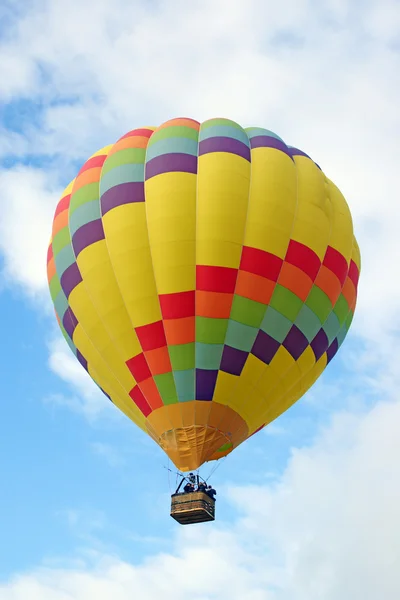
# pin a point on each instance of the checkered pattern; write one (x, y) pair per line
(190, 263)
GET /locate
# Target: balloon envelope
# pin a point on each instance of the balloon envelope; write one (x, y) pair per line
(204, 275)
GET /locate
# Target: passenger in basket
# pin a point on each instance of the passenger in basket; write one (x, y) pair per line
(211, 492)
(201, 487)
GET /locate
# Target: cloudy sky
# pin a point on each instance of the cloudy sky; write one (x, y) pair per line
(309, 508)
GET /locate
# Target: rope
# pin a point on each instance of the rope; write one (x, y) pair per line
(169, 477)
(217, 465)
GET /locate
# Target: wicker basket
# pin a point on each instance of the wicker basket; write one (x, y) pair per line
(194, 507)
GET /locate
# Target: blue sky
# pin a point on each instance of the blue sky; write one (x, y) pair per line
(307, 508)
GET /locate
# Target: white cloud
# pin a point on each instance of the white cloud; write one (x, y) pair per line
(28, 204)
(85, 397)
(328, 529)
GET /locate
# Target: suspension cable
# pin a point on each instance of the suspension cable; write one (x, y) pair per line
(216, 466)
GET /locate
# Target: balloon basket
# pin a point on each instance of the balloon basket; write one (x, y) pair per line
(194, 507)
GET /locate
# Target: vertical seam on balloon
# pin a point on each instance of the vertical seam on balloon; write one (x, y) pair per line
(226, 406)
(119, 288)
(195, 286)
(210, 402)
(91, 299)
(166, 407)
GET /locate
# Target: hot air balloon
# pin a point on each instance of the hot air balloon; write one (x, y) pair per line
(204, 275)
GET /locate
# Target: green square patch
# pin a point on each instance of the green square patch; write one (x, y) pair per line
(182, 356)
(211, 331)
(60, 240)
(286, 303)
(174, 131)
(341, 309)
(128, 156)
(319, 303)
(247, 311)
(166, 386)
(349, 319)
(87, 193)
(55, 287)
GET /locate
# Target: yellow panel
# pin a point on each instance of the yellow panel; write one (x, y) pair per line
(171, 222)
(253, 369)
(171, 206)
(126, 225)
(272, 202)
(223, 182)
(219, 254)
(306, 361)
(282, 361)
(268, 381)
(250, 407)
(101, 285)
(224, 387)
(292, 376)
(312, 224)
(128, 245)
(341, 237)
(175, 271)
(241, 391)
(88, 318)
